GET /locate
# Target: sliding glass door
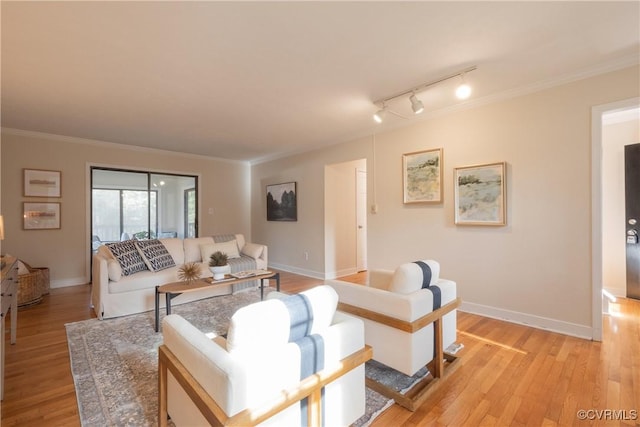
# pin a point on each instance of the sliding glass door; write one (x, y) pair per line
(141, 205)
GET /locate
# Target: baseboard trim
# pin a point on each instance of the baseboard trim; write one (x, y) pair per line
(553, 325)
(296, 270)
(69, 282)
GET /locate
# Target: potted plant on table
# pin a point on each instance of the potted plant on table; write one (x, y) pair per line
(219, 265)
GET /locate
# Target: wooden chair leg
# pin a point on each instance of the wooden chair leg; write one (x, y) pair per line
(416, 396)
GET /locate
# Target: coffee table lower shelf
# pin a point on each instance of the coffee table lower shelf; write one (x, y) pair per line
(172, 290)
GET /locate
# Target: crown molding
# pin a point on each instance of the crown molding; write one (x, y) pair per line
(98, 143)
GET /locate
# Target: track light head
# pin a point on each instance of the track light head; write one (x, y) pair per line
(416, 104)
(378, 116)
(463, 91)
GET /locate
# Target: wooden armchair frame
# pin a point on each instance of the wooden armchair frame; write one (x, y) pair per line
(421, 390)
(309, 387)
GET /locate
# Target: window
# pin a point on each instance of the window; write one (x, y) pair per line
(141, 205)
(190, 212)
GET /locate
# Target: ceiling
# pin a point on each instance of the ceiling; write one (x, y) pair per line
(257, 80)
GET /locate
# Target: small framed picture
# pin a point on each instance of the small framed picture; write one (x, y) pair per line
(480, 194)
(42, 183)
(282, 204)
(422, 176)
(40, 216)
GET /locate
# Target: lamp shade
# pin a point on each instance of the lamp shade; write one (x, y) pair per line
(379, 115)
(1, 228)
(416, 104)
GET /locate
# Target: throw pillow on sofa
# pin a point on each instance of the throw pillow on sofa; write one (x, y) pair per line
(127, 256)
(253, 250)
(155, 254)
(230, 248)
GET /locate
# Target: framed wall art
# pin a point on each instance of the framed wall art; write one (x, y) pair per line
(282, 202)
(480, 194)
(40, 216)
(42, 183)
(422, 176)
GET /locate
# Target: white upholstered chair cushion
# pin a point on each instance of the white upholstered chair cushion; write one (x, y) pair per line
(409, 277)
(268, 323)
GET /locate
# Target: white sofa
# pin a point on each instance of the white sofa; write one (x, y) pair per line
(258, 368)
(115, 294)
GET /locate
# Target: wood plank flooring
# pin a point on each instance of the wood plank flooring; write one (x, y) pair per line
(508, 375)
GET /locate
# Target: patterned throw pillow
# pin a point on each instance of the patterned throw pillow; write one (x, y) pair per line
(155, 254)
(128, 256)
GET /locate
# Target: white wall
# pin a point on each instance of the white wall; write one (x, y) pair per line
(614, 137)
(535, 270)
(224, 187)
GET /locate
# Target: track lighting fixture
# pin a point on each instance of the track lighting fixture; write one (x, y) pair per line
(379, 115)
(416, 104)
(463, 91)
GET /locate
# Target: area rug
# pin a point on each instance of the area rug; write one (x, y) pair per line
(114, 363)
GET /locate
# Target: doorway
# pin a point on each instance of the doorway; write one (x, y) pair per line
(140, 205)
(607, 204)
(345, 219)
(632, 217)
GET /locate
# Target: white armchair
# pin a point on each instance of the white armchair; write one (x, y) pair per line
(410, 318)
(260, 373)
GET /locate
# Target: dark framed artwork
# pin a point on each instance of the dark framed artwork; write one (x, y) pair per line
(480, 197)
(282, 202)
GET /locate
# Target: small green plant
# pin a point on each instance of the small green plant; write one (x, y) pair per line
(218, 259)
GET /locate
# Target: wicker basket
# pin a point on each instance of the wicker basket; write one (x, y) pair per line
(32, 286)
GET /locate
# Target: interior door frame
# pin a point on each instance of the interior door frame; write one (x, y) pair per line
(596, 208)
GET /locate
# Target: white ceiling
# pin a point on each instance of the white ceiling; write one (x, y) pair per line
(255, 80)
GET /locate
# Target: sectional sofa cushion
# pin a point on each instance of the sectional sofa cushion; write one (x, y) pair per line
(154, 254)
(128, 256)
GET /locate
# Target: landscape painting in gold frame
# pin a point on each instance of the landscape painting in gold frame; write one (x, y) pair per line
(480, 194)
(422, 176)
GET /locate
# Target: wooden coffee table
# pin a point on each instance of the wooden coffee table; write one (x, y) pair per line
(172, 290)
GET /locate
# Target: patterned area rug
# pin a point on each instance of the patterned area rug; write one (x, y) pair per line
(115, 362)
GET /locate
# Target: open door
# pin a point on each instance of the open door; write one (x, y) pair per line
(632, 209)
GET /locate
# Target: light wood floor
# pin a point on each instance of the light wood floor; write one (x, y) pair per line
(508, 375)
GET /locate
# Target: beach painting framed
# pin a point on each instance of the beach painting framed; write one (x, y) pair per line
(422, 176)
(480, 194)
(42, 183)
(282, 202)
(40, 216)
